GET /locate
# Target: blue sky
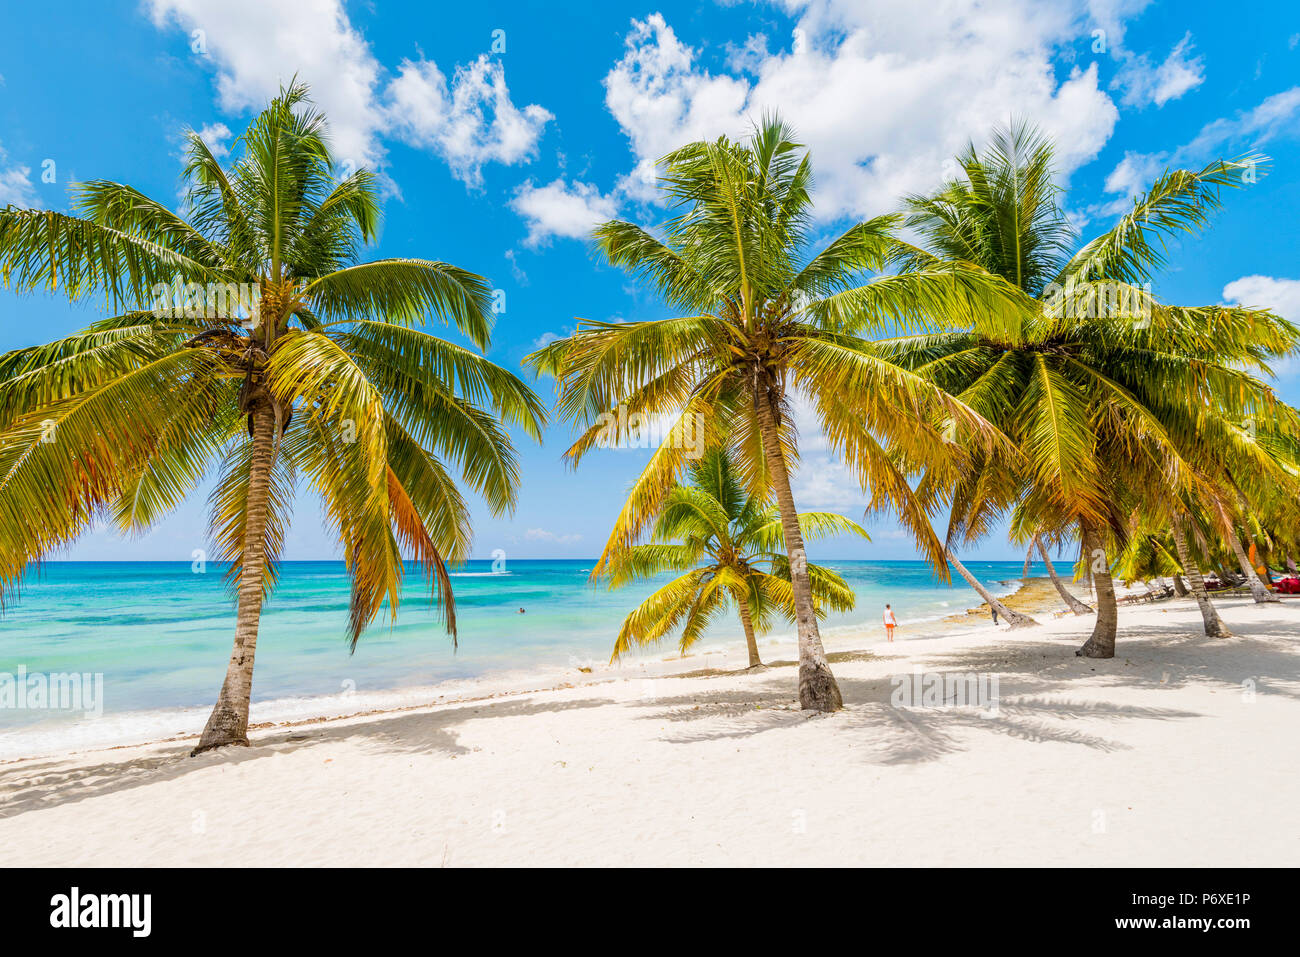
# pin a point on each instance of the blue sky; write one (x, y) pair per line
(503, 131)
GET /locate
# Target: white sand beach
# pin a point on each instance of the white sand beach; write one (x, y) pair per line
(1179, 751)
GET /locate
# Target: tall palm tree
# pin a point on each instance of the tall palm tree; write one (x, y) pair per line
(761, 322)
(1099, 378)
(324, 378)
(730, 546)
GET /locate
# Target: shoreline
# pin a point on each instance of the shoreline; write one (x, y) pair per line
(1083, 762)
(130, 729)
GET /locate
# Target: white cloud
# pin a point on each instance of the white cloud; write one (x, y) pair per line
(881, 95)
(471, 122)
(542, 535)
(217, 136)
(820, 481)
(1134, 173)
(256, 47)
(561, 209)
(1282, 296)
(1143, 84)
(1277, 115)
(16, 184)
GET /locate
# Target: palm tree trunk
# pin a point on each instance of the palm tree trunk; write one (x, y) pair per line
(1014, 618)
(1180, 586)
(1263, 563)
(1258, 590)
(228, 723)
(1214, 626)
(750, 642)
(1029, 560)
(817, 688)
(1101, 643)
(1290, 565)
(1076, 606)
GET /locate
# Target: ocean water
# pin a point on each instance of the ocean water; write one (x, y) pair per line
(160, 636)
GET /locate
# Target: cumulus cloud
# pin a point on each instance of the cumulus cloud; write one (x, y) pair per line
(471, 121)
(256, 46)
(1144, 84)
(1282, 296)
(561, 209)
(15, 183)
(882, 96)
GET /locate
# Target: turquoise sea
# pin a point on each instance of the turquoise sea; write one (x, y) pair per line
(160, 634)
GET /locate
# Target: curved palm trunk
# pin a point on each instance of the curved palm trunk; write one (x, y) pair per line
(1101, 644)
(1214, 626)
(1072, 603)
(750, 642)
(817, 688)
(1290, 565)
(1258, 590)
(1180, 586)
(1014, 618)
(228, 723)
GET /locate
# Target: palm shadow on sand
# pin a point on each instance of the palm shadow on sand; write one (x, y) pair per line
(33, 785)
(1032, 677)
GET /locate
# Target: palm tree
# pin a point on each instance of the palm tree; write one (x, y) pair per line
(1067, 596)
(1213, 624)
(730, 546)
(324, 378)
(1099, 378)
(1012, 617)
(758, 324)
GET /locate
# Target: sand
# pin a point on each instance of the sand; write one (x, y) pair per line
(1179, 751)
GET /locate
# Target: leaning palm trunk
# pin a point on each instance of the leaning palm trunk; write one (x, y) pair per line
(1101, 644)
(1076, 606)
(1258, 590)
(228, 723)
(1290, 565)
(817, 688)
(1014, 618)
(750, 642)
(1180, 586)
(1214, 626)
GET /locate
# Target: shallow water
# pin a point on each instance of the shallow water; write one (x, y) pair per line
(160, 634)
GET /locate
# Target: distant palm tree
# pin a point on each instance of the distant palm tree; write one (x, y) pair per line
(731, 548)
(1100, 386)
(1067, 596)
(760, 322)
(321, 377)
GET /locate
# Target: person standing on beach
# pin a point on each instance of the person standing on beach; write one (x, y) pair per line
(890, 623)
